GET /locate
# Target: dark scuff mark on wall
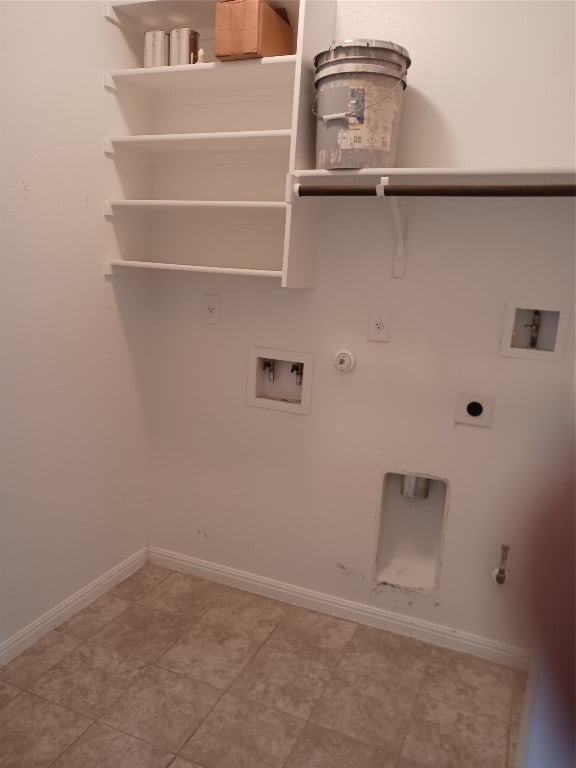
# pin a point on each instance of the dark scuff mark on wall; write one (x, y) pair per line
(349, 572)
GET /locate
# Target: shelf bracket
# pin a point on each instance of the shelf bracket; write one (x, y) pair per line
(292, 188)
(109, 12)
(400, 225)
(108, 82)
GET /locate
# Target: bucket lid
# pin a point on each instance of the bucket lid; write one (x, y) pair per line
(338, 49)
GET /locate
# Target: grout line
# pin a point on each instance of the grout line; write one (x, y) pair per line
(410, 717)
(90, 724)
(66, 655)
(86, 639)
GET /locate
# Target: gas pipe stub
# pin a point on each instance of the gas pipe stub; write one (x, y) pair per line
(344, 360)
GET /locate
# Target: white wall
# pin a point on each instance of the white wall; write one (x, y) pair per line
(295, 498)
(72, 433)
(491, 83)
(288, 497)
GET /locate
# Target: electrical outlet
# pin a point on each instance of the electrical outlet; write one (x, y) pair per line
(211, 309)
(474, 410)
(379, 325)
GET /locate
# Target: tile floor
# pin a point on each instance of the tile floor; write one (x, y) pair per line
(168, 669)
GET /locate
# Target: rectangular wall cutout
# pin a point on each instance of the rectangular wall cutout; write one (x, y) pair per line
(280, 380)
(535, 330)
(411, 530)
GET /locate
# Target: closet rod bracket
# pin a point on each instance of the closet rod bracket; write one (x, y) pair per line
(397, 208)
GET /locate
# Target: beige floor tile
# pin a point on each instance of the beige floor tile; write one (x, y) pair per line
(38, 659)
(103, 747)
(366, 709)
(243, 734)
(142, 632)
(314, 635)
(33, 732)
(379, 654)
(247, 615)
(89, 680)
(183, 594)
(441, 736)
(180, 762)
(96, 615)
(209, 655)
(283, 681)
(321, 748)
(162, 708)
(140, 582)
(474, 685)
(520, 681)
(7, 693)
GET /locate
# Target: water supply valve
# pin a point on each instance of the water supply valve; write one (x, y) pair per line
(501, 574)
(270, 367)
(298, 369)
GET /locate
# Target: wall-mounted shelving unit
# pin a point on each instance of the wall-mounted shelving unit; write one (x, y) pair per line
(210, 157)
(203, 150)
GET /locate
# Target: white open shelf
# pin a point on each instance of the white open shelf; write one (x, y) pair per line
(221, 142)
(114, 206)
(269, 73)
(111, 264)
(160, 14)
(486, 176)
(150, 14)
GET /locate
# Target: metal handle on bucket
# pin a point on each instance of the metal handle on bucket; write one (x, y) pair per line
(351, 112)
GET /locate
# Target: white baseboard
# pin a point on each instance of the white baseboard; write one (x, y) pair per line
(67, 608)
(437, 634)
(446, 637)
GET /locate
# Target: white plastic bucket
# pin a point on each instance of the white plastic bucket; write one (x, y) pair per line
(359, 95)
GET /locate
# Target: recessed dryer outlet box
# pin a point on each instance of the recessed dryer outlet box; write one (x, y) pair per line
(474, 410)
(536, 330)
(280, 379)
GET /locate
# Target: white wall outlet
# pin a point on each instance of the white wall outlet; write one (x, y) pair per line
(379, 325)
(474, 410)
(211, 309)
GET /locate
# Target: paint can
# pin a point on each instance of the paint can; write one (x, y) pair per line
(183, 46)
(156, 44)
(359, 86)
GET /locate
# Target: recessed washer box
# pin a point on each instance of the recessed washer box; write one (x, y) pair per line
(280, 379)
(536, 330)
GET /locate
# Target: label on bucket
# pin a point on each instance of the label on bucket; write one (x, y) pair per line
(356, 106)
(363, 138)
(364, 131)
(357, 121)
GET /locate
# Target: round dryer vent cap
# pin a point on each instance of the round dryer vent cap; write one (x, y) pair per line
(344, 360)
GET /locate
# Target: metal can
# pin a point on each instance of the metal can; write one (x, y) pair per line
(183, 46)
(156, 44)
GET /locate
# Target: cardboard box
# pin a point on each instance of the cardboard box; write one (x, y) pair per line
(250, 29)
